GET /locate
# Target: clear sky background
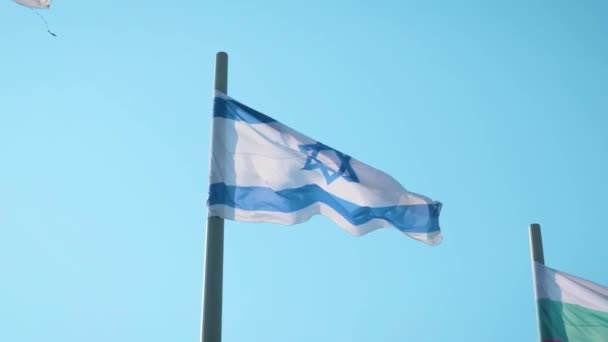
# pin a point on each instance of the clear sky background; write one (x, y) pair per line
(499, 110)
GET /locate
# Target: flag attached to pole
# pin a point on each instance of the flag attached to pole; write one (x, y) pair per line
(264, 171)
(571, 309)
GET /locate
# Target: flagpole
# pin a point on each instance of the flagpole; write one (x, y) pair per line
(211, 320)
(537, 255)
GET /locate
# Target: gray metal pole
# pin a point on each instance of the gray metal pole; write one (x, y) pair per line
(537, 255)
(536, 244)
(211, 321)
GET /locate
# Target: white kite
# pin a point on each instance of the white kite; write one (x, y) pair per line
(43, 4)
(37, 4)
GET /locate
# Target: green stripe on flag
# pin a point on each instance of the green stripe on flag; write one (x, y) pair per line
(571, 323)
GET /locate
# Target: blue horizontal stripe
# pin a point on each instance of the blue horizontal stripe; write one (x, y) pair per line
(419, 218)
(230, 109)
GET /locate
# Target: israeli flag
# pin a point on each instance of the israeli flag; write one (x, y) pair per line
(264, 171)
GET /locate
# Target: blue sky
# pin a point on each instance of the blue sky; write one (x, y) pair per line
(498, 110)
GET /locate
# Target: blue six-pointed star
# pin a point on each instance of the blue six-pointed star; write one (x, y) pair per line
(312, 162)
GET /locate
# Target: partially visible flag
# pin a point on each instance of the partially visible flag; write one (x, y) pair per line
(571, 309)
(264, 171)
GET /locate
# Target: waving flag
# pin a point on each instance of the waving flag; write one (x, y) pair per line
(264, 171)
(572, 309)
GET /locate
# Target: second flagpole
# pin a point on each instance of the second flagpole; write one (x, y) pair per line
(537, 256)
(211, 320)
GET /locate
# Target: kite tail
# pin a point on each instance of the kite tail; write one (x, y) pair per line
(45, 23)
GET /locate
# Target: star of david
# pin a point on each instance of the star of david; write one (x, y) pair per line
(312, 162)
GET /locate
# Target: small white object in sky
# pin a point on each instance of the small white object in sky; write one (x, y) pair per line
(34, 3)
(38, 4)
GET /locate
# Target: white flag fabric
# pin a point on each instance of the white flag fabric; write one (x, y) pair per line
(264, 171)
(34, 3)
